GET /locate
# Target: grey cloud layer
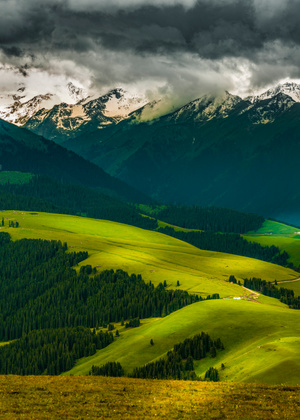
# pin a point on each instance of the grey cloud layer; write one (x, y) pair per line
(265, 32)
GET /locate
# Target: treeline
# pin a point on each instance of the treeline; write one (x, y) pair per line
(45, 194)
(39, 289)
(214, 219)
(12, 201)
(231, 243)
(50, 351)
(178, 364)
(286, 296)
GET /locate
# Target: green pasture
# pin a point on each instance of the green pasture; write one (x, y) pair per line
(262, 343)
(275, 228)
(13, 177)
(155, 256)
(286, 237)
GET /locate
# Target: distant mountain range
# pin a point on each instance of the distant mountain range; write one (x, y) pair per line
(224, 150)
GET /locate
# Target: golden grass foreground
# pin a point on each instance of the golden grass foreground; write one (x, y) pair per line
(46, 397)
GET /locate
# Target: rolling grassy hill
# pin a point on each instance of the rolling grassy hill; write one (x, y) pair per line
(156, 256)
(261, 337)
(261, 341)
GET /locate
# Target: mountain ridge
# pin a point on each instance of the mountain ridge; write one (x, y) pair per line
(25, 151)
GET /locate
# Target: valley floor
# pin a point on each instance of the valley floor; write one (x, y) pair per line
(46, 397)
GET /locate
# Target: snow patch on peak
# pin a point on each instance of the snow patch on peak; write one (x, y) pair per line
(116, 104)
(266, 110)
(208, 107)
(289, 88)
(19, 112)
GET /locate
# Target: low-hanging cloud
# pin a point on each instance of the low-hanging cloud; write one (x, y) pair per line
(188, 46)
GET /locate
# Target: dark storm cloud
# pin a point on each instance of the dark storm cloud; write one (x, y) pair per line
(212, 29)
(261, 31)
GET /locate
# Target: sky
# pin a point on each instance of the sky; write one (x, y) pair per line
(174, 49)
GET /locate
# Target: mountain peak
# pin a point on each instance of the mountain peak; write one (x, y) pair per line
(76, 93)
(291, 89)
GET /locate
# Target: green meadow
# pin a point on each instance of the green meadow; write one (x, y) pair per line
(262, 342)
(155, 256)
(261, 336)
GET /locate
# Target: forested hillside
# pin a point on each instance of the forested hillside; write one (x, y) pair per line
(214, 219)
(230, 243)
(42, 193)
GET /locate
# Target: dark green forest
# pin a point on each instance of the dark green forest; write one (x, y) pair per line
(50, 351)
(45, 194)
(232, 243)
(109, 369)
(213, 219)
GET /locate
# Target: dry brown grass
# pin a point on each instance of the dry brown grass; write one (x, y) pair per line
(44, 397)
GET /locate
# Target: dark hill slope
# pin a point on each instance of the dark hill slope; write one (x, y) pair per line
(42, 193)
(241, 161)
(21, 150)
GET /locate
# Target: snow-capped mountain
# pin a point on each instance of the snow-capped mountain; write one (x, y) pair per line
(59, 121)
(266, 110)
(289, 88)
(20, 109)
(87, 114)
(208, 107)
(19, 112)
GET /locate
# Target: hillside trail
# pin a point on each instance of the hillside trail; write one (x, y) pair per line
(288, 281)
(251, 291)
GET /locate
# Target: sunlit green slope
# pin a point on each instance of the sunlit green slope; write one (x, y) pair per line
(262, 342)
(156, 256)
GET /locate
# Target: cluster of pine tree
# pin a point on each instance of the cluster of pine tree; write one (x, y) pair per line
(133, 323)
(109, 369)
(212, 374)
(50, 351)
(179, 362)
(231, 243)
(286, 296)
(214, 219)
(39, 289)
(44, 194)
